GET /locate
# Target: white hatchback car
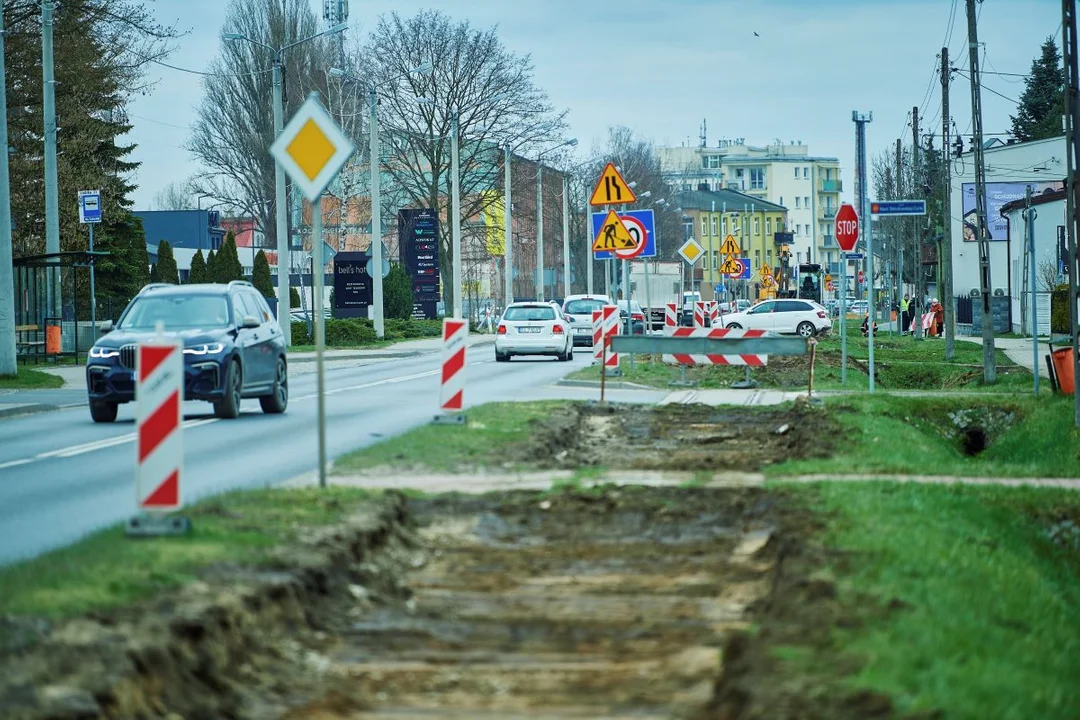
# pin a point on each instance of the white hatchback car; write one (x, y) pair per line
(533, 328)
(578, 310)
(788, 316)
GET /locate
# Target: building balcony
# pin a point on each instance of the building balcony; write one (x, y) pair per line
(831, 186)
(827, 212)
(829, 243)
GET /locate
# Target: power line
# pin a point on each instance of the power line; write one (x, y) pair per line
(990, 89)
(159, 122)
(209, 74)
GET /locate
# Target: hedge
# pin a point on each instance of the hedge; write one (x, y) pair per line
(353, 332)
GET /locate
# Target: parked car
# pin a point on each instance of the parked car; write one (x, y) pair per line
(578, 310)
(637, 316)
(801, 317)
(734, 306)
(533, 328)
(859, 308)
(233, 348)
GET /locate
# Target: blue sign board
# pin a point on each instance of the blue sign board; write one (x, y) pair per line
(745, 270)
(644, 218)
(854, 256)
(898, 207)
(89, 206)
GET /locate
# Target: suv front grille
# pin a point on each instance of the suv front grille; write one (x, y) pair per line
(127, 356)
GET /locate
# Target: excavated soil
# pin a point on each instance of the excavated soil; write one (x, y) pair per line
(695, 438)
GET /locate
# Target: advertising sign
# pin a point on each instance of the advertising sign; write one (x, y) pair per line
(352, 285)
(418, 240)
(997, 195)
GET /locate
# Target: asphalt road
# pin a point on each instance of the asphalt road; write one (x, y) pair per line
(63, 476)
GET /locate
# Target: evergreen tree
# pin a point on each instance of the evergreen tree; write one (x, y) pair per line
(167, 272)
(1043, 102)
(294, 297)
(260, 275)
(228, 262)
(197, 274)
(211, 267)
(398, 293)
(155, 277)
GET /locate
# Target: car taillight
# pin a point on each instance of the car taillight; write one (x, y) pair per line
(502, 329)
(820, 314)
(557, 329)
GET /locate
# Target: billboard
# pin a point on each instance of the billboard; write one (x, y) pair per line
(352, 285)
(494, 215)
(998, 194)
(418, 243)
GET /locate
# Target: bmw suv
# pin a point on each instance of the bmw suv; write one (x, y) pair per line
(233, 348)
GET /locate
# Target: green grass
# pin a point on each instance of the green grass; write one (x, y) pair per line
(373, 345)
(480, 441)
(27, 379)
(988, 605)
(108, 570)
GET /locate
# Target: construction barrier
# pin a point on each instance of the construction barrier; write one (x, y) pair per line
(700, 312)
(598, 335)
(452, 388)
(671, 318)
(159, 395)
(611, 329)
(747, 359)
(714, 313)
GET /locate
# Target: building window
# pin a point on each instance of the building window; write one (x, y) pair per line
(806, 229)
(723, 225)
(794, 229)
(768, 256)
(806, 172)
(798, 201)
(704, 226)
(757, 226)
(757, 178)
(735, 227)
(716, 259)
(806, 202)
(796, 173)
(714, 225)
(710, 162)
(768, 226)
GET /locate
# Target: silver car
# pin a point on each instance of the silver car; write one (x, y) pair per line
(533, 328)
(578, 310)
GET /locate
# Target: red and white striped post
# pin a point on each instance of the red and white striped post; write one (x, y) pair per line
(699, 313)
(671, 318)
(714, 313)
(598, 336)
(610, 330)
(452, 387)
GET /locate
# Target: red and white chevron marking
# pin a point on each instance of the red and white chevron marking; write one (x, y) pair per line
(671, 318)
(695, 359)
(700, 311)
(455, 333)
(611, 329)
(598, 335)
(159, 396)
(714, 313)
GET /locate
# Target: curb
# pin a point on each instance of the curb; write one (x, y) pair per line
(28, 409)
(359, 356)
(614, 384)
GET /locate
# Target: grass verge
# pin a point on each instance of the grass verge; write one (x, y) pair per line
(27, 379)
(108, 570)
(1024, 437)
(958, 599)
(449, 447)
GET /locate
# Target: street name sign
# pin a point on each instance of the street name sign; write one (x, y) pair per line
(898, 207)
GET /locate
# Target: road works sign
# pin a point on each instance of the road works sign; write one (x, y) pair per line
(847, 227)
(730, 246)
(640, 224)
(612, 189)
(613, 235)
(732, 266)
(311, 149)
(691, 250)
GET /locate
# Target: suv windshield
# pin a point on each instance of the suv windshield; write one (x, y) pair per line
(529, 314)
(177, 312)
(582, 307)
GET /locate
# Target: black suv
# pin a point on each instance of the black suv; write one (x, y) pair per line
(233, 348)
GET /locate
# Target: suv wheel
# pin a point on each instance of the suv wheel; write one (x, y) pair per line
(276, 402)
(103, 411)
(228, 407)
(805, 329)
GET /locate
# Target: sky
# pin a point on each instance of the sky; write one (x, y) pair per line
(661, 67)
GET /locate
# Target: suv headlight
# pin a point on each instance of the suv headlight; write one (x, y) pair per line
(207, 349)
(103, 352)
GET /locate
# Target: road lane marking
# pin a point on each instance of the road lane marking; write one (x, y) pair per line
(15, 463)
(377, 383)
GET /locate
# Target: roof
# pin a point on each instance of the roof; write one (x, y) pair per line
(1042, 198)
(189, 289)
(732, 199)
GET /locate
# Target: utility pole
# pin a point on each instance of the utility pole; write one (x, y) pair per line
(1029, 248)
(916, 174)
(900, 221)
(989, 359)
(865, 227)
(52, 202)
(565, 236)
(946, 246)
(281, 226)
(376, 217)
(1072, 154)
(7, 282)
(508, 229)
(539, 229)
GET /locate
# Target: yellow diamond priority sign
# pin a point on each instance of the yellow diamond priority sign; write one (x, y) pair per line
(311, 148)
(691, 250)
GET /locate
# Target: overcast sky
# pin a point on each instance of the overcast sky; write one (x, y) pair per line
(661, 66)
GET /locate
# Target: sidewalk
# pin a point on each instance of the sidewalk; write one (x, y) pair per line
(1017, 349)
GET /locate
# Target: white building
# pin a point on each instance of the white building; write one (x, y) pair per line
(1050, 257)
(1010, 168)
(808, 186)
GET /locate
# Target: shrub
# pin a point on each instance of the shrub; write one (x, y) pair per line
(299, 333)
(350, 331)
(1059, 309)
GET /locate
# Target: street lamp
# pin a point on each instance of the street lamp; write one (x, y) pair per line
(281, 228)
(540, 219)
(376, 200)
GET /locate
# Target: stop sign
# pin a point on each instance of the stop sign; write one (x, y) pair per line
(847, 228)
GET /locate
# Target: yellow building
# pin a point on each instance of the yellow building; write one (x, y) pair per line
(758, 226)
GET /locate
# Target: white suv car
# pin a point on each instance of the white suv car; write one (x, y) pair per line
(788, 316)
(533, 328)
(578, 310)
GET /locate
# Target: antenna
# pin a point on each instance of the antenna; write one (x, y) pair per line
(703, 134)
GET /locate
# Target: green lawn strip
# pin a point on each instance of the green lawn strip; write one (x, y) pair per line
(975, 607)
(372, 345)
(915, 435)
(27, 379)
(108, 570)
(480, 441)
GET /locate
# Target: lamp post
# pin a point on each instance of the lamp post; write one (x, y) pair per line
(508, 228)
(281, 229)
(540, 215)
(376, 199)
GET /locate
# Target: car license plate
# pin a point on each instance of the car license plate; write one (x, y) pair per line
(583, 331)
(529, 330)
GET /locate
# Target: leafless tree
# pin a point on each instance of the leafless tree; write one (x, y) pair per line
(1047, 275)
(176, 196)
(470, 74)
(234, 129)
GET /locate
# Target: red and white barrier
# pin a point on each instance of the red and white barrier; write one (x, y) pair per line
(455, 334)
(714, 313)
(610, 330)
(671, 318)
(159, 397)
(598, 335)
(741, 359)
(700, 311)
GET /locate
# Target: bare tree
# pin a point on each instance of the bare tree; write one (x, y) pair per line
(176, 196)
(1047, 275)
(234, 129)
(471, 74)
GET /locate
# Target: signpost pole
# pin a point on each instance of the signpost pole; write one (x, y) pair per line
(93, 293)
(1029, 215)
(866, 228)
(320, 330)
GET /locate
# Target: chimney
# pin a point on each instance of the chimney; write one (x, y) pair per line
(703, 187)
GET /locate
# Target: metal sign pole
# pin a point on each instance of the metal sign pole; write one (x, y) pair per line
(93, 293)
(320, 331)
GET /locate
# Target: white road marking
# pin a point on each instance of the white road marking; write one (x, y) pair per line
(14, 463)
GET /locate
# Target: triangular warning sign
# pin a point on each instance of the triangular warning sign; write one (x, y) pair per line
(731, 266)
(613, 235)
(612, 189)
(730, 246)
